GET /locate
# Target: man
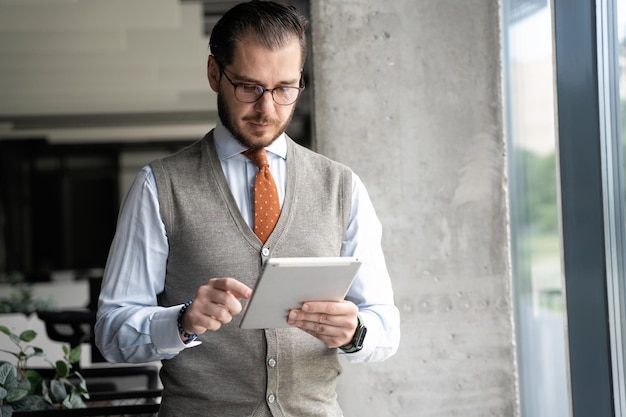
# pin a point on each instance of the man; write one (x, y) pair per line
(185, 254)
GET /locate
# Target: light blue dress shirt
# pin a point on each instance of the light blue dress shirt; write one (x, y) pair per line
(131, 327)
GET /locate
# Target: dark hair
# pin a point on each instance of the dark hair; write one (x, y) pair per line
(272, 24)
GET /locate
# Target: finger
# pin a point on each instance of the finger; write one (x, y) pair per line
(237, 288)
(226, 292)
(340, 314)
(329, 341)
(318, 323)
(204, 316)
(331, 308)
(216, 302)
(209, 323)
(332, 322)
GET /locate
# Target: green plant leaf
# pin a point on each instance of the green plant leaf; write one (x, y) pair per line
(5, 330)
(3, 393)
(73, 401)
(75, 354)
(34, 378)
(45, 392)
(14, 338)
(23, 384)
(5, 368)
(31, 351)
(82, 386)
(8, 372)
(6, 411)
(58, 391)
(15, 395)
(62, 369)
(28, 335)
(31, 403)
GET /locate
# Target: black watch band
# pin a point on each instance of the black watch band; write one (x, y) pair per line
(356, 343)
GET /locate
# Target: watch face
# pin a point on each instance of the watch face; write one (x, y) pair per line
(359, 337)
(357, 340)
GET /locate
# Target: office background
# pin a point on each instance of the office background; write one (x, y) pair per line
(487, 133)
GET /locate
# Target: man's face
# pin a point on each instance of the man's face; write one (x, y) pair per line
(256, 124)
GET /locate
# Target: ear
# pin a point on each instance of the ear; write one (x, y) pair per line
(213, 73)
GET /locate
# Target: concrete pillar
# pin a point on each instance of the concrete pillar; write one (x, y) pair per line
(408, 94)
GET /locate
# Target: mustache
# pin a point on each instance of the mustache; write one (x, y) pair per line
(261, 120)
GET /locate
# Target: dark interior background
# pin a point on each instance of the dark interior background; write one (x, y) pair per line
(59, 202)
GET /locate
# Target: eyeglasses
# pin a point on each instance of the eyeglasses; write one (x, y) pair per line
(249, 93)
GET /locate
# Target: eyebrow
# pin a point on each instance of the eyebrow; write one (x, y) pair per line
(245, 79)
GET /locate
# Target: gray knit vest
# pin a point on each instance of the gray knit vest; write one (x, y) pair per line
(234, 372)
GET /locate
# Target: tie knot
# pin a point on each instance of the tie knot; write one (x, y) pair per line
(258, 156)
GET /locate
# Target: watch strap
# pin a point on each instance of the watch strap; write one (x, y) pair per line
(356, 343)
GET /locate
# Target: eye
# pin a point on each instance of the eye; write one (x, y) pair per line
(285, 91)
(251, 89)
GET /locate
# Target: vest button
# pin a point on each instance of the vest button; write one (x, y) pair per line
(271, 362)
(271, 398)
(265, 252)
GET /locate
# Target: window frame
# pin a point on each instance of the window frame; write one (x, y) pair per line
(580, 161)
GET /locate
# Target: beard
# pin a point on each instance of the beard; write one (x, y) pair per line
(250, 140)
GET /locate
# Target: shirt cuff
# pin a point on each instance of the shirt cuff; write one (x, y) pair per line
(371, 340)
(164, 331)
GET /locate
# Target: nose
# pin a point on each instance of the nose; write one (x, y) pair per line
(266, 103)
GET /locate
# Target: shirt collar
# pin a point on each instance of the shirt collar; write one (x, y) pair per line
(227, 146)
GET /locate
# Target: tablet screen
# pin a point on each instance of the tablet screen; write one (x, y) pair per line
(286, 283)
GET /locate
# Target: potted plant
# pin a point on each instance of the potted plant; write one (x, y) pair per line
(23, 389)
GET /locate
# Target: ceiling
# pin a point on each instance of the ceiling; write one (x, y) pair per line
(74, 71)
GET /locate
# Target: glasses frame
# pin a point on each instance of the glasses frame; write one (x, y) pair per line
(263, 90)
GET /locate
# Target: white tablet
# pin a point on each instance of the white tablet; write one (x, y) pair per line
(286, 283)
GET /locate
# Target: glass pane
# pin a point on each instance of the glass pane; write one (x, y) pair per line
(535, 240)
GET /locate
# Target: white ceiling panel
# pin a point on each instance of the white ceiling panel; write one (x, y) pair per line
(88, 15)
(38, 42)
(82, 57)
(67, 65)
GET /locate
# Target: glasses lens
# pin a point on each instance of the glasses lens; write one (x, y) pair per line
(286, 95)
(248, 93)
(251, 93)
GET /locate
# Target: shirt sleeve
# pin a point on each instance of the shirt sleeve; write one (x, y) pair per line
(371, 290)
(130, 325)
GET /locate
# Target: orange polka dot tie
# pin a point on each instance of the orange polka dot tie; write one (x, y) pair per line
(266, 203)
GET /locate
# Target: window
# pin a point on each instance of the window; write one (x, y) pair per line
(535, 238)
(583, 67)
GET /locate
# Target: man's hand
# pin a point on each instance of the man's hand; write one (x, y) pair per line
(215, 303)
(334, 323)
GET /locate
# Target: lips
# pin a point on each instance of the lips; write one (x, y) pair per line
(260, 124)
(260, 120)
(259, 127)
